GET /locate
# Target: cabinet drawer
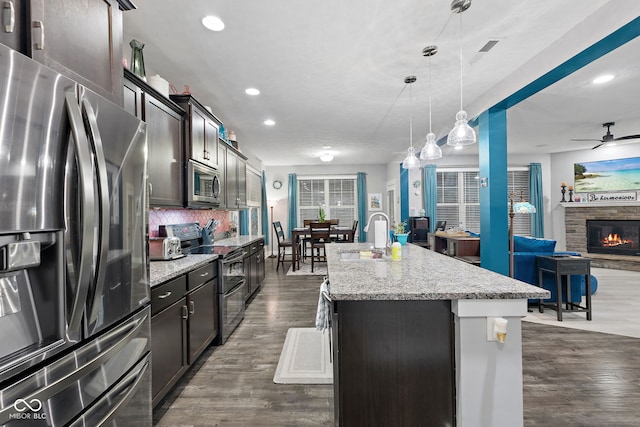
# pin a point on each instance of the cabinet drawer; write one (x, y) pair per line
(162, 296)
(574, 267)
(202, 275)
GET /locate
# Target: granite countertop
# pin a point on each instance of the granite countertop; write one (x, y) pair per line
(161, 271)
(238, 240)
(421, 274)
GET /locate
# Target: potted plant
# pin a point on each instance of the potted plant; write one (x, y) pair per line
(400, 231)
(321, 214)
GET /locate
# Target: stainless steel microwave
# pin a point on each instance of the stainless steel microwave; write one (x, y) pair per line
(203, 185)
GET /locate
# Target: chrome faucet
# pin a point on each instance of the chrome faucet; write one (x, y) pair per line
(388, 237)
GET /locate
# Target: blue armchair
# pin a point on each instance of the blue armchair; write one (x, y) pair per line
(524, 267)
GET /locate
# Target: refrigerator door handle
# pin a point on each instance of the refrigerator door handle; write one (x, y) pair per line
(114, 399)
(103, 205)
(87, 201)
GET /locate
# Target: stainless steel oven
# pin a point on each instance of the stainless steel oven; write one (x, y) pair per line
(203, 185)
(231, 292)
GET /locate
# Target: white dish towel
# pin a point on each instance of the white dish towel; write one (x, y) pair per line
(322, 315)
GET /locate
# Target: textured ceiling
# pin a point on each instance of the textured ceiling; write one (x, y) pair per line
(332, 73)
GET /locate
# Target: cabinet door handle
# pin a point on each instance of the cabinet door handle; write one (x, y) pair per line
(163, 296)
(192, 307)
(39, 45)
(150, 189)
(9, 16)
(204, 274)
(185, 312)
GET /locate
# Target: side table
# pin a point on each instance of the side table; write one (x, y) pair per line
(563, 266)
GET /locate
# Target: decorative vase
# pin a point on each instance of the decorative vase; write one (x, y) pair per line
(137, 60)
(402, 238)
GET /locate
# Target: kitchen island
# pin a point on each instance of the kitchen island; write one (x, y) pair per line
(414, 342)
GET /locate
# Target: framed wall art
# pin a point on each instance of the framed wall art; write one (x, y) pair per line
(375, 201)
(607, 175)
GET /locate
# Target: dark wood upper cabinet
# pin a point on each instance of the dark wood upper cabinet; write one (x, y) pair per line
(201, 131)
(80, 39)
(14, 28)
(165, 122)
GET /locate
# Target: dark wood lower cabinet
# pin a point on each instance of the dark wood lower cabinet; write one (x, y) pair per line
(184, 323)
(168, 343)
(203, 319)
(393, 363)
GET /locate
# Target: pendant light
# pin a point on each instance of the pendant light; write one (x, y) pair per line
(431, 150)
(461, 134)
(411, 161)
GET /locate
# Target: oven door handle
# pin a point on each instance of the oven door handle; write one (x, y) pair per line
(234, 258)
(236, 289)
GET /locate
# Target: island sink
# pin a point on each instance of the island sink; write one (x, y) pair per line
(363, 255)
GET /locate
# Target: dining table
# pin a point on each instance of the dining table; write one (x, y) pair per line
(335, 231)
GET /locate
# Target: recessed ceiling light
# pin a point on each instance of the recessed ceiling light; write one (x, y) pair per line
(326, 157)
(326, 147)
(458, 147)
(269, 122)
(213, 23)
(252, 91)
(603, 79)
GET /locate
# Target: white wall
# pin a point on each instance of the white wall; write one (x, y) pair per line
(376, 183)
(562, 170)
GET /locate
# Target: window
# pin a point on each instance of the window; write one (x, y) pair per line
(336, 195)
(459, 199)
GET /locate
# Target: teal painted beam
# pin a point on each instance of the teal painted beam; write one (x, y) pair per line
(404, 194)
(597, 50)
(494, 218)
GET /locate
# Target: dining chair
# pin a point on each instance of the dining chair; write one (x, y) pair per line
(319, 232)
(349, 238)
(305, 241)
(283, 244)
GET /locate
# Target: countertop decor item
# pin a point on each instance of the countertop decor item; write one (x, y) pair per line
(137, 59)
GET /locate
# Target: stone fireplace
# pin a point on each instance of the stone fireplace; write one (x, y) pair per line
(603, 218)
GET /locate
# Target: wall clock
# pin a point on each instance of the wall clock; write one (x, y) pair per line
(277, 184)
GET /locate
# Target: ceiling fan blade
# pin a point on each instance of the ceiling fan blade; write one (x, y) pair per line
(627, 137)
(599, 145)
(597, 140)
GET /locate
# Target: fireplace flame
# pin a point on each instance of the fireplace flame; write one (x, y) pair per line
(614, 240)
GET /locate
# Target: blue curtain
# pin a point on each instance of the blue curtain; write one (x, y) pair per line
(265, 210)
(535, 193)
(293, 202)
(361, 183)
(430, 194)
(244, 222)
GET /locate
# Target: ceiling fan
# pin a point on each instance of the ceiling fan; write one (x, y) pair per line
(608, 137)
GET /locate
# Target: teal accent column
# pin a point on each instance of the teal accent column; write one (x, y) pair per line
(404, 194)
(494, 218)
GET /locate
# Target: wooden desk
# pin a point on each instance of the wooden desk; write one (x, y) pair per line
(563, 266)
(455, 246)
(299, 232)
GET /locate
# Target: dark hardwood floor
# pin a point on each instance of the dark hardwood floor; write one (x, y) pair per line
(571, 377)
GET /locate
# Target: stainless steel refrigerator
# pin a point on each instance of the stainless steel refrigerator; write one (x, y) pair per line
(74, 294)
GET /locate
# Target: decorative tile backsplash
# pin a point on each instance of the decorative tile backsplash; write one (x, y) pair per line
(159, 217)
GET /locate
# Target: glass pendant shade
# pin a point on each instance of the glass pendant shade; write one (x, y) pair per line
(524, 208)
(411, 161)
(461, 134)
(431, 151)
